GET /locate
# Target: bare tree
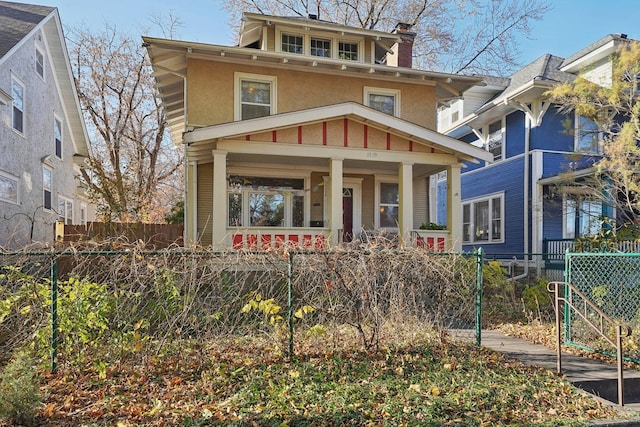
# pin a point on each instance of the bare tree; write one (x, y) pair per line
(472, 36)
(135, 172)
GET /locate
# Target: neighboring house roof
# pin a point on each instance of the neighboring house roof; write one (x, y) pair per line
(17, 22)
(594, 52)
(350, 110)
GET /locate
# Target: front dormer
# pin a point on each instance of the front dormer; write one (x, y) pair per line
(322, 40)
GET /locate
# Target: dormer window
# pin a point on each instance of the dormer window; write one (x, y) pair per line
(348, 50)
(292, 44)
(321, 47)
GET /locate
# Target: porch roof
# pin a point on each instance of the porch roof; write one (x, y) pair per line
(350, 110)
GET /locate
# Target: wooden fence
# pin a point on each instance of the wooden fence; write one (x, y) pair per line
(155, 236)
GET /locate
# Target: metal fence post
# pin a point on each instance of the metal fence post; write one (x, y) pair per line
(54, 313)
(479, 266)
(290, 291)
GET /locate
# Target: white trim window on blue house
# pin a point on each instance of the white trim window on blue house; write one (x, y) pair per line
(582, 216)
(482, 219)
(588, 136)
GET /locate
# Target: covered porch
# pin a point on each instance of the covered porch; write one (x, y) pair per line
(319, 178)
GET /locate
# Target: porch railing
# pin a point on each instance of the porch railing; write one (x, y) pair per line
(433, 240)
(269, 238)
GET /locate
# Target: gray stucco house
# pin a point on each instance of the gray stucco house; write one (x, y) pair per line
(43, 139)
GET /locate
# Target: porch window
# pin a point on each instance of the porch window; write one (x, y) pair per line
(266, 202)
(8, 188)
(292, 43)
(495, 140)
(482, 220)
(347, 50)
(587, 135)
(255, 96)
(65, 210)
(582, 217)
(389, 203)
(321, 47)
(383, 99)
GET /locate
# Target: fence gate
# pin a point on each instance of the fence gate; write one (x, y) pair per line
(612, 282)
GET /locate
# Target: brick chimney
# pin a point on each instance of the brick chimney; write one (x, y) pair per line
(402, 53)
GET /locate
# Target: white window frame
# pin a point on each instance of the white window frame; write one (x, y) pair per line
(294, 34)
(37, 63)
(57, 121)
(334, 40)
(395, 93)
(17, 82)
(45, 170)
(472, 203)
(322, 39)
(62, 213)
(288, 217)
(83, 214)
(577, 211)
(503, 134)
(377, 198)
(9, 177)
(578, 134)
(261, 78)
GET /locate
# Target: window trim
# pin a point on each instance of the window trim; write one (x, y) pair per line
(371, 90)
(62, 216)
(578, 210)
(262, 78)
(471, 203)
(57, 120)
(83, 213)
(334, 40)
(14, 178)
(18, 82)
(578, 134)
(386, 179)
(294, 34)
(503, 132)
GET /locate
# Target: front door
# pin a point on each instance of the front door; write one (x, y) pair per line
(347, 214)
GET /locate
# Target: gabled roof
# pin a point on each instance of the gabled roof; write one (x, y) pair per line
(594, 52)
(17, 20)
(350, 110)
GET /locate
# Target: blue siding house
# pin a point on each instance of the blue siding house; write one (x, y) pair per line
(511, 205)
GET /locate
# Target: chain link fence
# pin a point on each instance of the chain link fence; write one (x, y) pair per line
(612, 282)
(99, 307)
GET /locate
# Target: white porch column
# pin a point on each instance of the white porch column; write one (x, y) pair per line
(335, 199)
(219, 214)
(454, 208)
(191, 204)
(405, 206)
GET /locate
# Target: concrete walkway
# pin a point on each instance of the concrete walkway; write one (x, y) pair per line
(585, 373)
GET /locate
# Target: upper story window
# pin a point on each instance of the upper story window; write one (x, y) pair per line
(587, 135)
(348, 50)
(57, 137)
(321, 47)
(495, 140)
(46, 187)
(255, 96)
(39, 63)
(17, 92)
(292, 43)
(482, 220)
(382, 99)
(65, 210)
(8, 188)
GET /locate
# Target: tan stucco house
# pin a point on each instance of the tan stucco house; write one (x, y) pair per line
(309, 133)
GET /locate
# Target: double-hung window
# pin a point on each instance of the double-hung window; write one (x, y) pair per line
(582, 217)
(383, 99)
(57, 137)
(39, 63)
(587, 135)
(482, 220)
(17, 92)
(266, 202)
(8, 188)
(389, 204)
(255, 96)
(46, 187)
(495, 140)
(65, 210)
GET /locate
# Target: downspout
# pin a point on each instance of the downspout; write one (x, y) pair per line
(527, 135)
